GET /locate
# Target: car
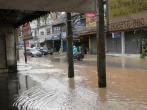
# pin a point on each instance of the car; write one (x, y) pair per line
(50, 51)
(33, 52)
(44, 51)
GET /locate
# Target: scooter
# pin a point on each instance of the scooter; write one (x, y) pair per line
(79, 56)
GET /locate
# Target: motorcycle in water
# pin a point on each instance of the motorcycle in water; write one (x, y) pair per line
(78, 56)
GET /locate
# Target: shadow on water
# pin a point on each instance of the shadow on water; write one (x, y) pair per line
(102, 92)
(8, 90)
(11, 86)
(25, 83)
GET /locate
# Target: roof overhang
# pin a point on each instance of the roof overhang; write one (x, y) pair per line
(15, 18)
(17, 12)
(50, 5)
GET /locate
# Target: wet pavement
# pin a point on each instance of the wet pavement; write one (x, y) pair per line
(43, 84)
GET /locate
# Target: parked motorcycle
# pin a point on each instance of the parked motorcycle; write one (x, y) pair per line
(79, 56)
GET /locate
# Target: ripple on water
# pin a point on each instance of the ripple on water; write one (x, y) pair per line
(55, 95)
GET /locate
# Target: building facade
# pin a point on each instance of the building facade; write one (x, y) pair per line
(53, 35)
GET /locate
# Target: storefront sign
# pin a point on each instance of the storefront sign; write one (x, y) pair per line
(127, 14)
(116, 35)
(91, 20)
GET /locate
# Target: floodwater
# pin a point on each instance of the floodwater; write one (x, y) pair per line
(43, 85)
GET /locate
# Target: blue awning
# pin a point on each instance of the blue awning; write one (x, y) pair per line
(56, 37)
(50, 37)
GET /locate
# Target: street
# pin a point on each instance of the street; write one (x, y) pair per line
(44, 84)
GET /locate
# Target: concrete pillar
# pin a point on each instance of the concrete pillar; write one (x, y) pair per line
(3, 58)
(4, 95)
(11, 50)
(123, 42)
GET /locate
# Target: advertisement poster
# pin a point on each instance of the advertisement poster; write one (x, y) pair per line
(90, 20)
(26, 31)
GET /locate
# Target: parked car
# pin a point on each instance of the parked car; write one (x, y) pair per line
(50, 51)
(33, 52)
(46, 51)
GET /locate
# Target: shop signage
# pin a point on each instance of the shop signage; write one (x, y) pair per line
(127, 14)
(90, 20)
(116, 35)
(26, 31)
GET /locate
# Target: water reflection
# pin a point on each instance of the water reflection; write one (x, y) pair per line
(102, 92)
(26, 78)
(8, 90)
(71, 83)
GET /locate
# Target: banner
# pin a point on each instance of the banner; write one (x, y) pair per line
(26, 31)
(127, 14)
(90, 20)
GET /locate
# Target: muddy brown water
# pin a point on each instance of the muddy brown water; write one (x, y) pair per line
(43, 85)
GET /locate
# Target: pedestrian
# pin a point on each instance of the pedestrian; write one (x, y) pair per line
(79, 49)
(75, 51)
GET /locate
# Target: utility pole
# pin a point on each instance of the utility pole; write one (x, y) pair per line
(61, 43)
(101, 55)
(69, 49)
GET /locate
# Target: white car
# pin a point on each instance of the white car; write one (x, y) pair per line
(33, 52)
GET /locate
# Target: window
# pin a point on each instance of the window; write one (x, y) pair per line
(57, 28)
(48, 31)
(41, 33)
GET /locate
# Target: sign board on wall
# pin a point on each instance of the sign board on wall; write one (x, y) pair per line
(91, 20)
(127, 14)
(116, 35)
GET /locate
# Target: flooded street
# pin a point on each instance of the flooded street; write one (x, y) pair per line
(44, 84)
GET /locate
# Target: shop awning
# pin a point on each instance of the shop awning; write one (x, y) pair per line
(50, 37)
(56, 37)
